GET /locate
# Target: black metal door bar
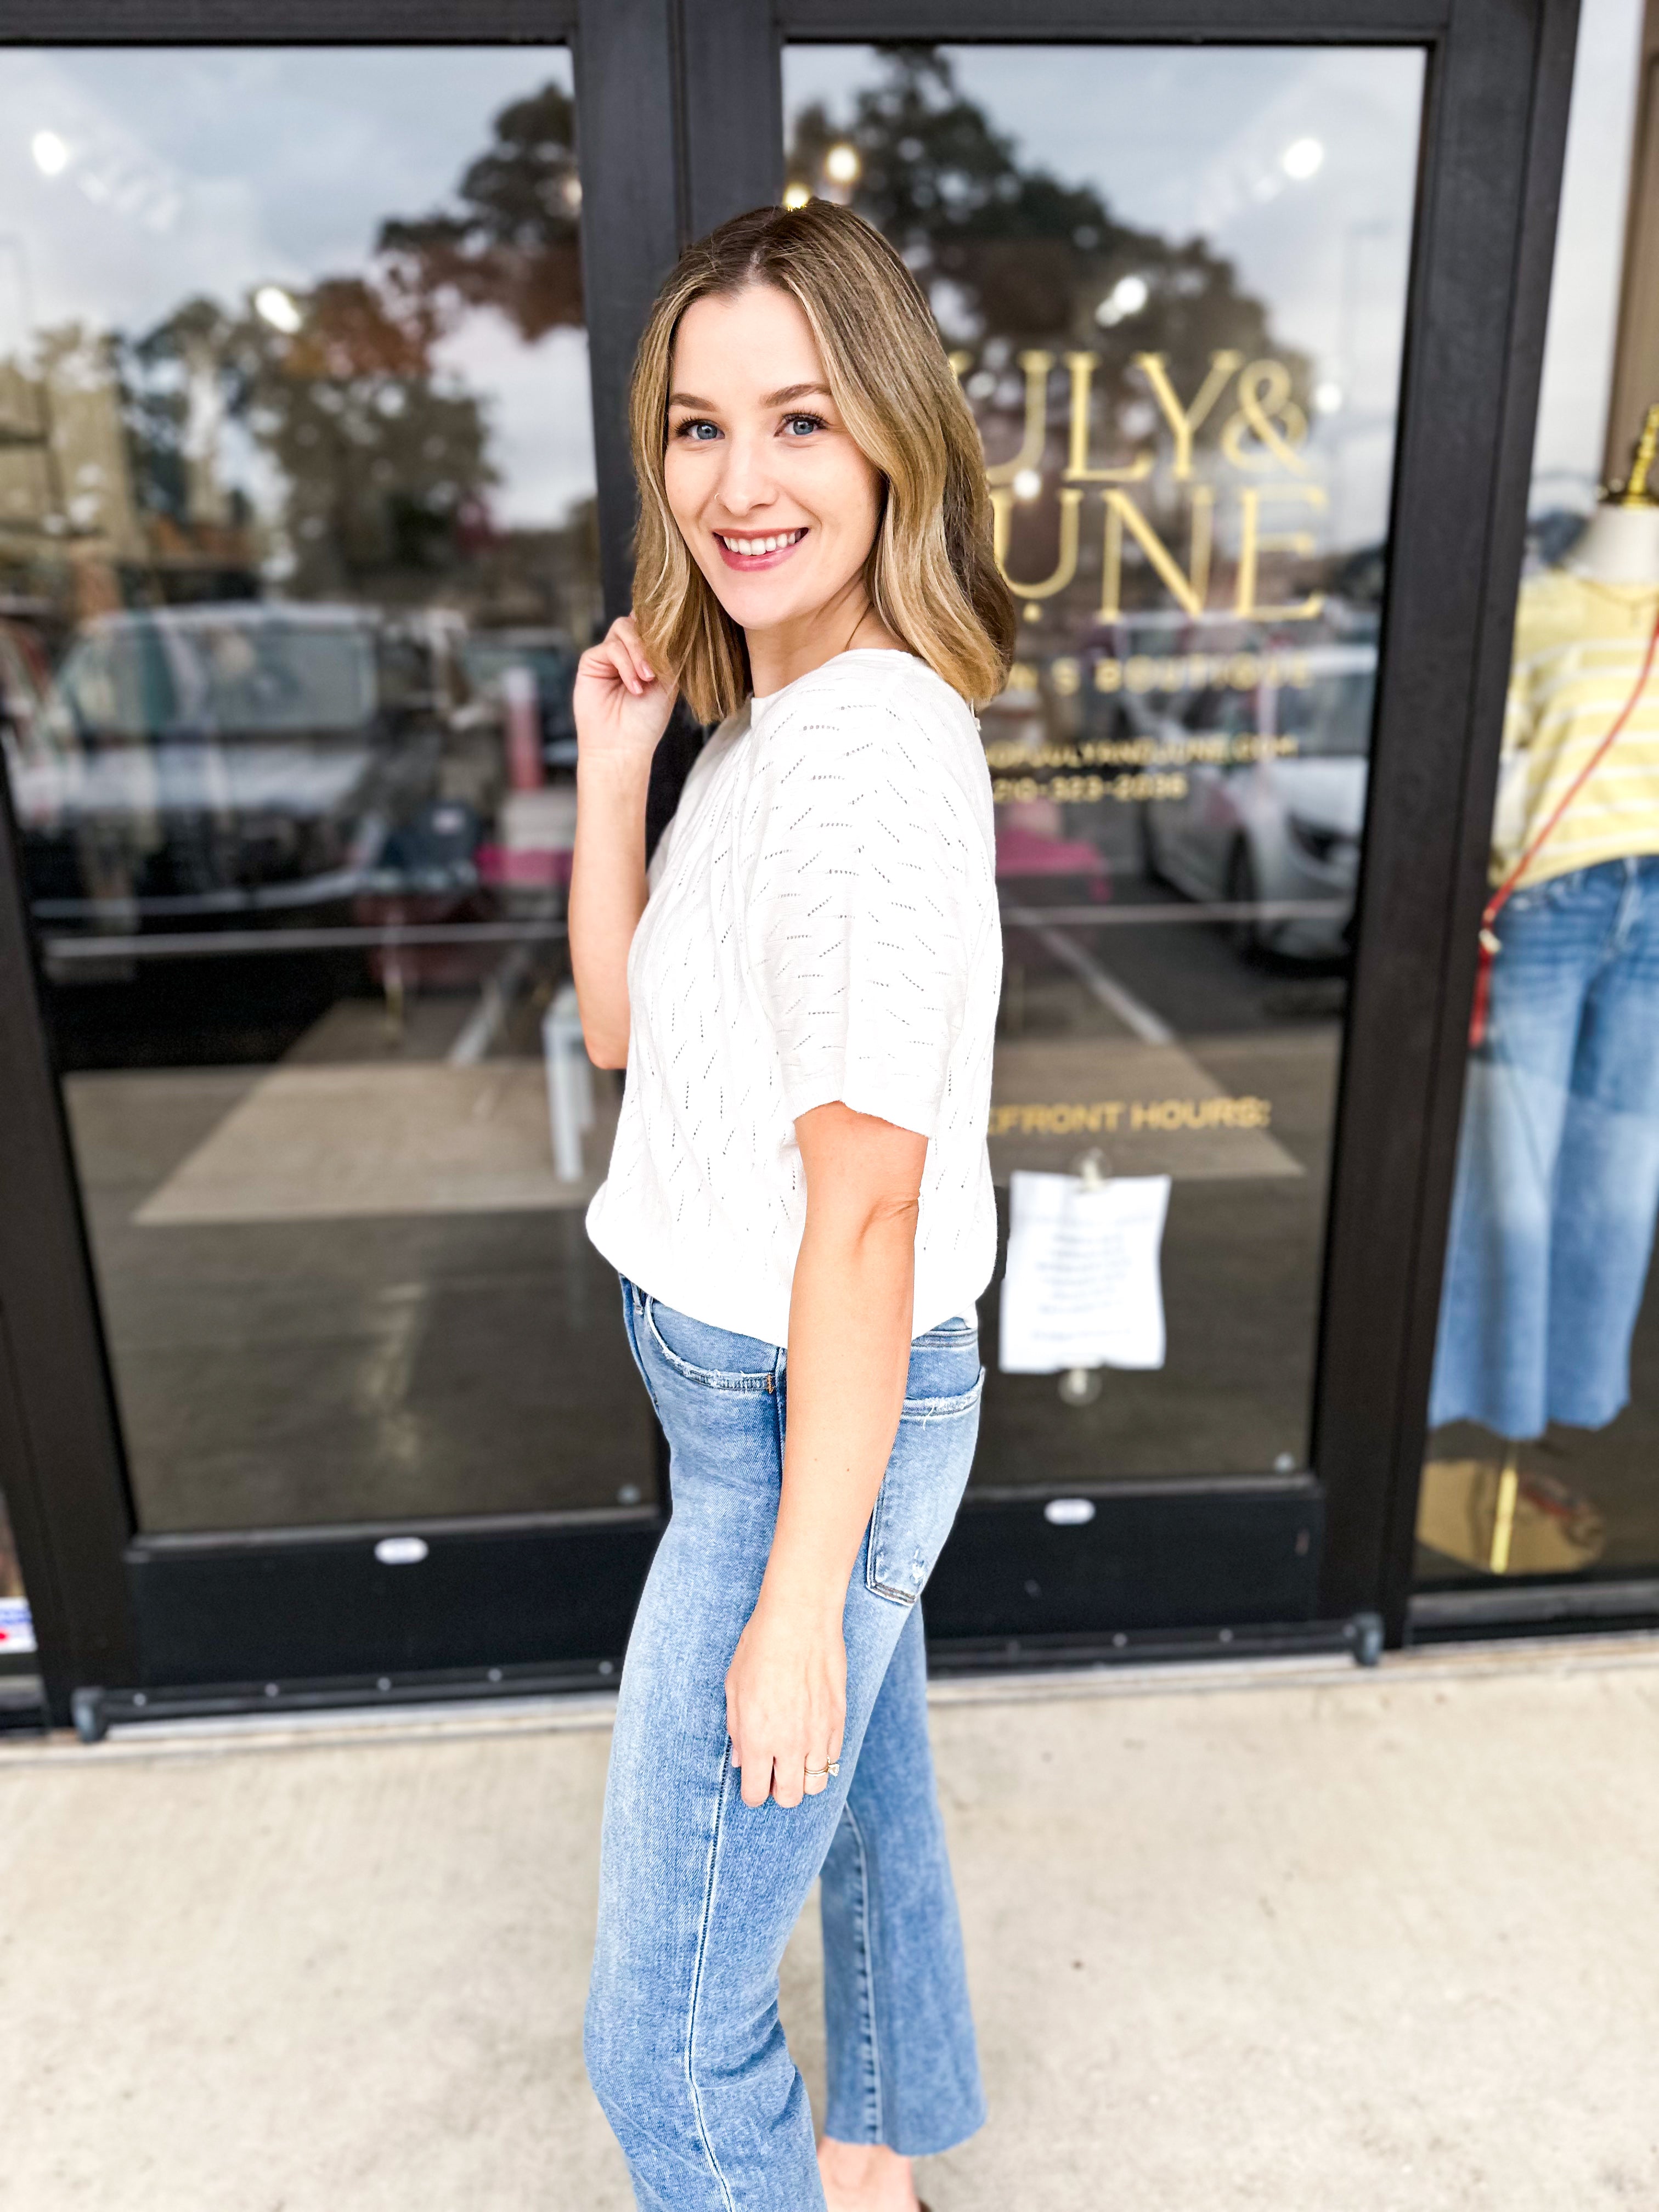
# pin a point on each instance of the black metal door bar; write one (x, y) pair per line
(60, 1447)
(1494, 143)
(295, 23)
(1160, 22)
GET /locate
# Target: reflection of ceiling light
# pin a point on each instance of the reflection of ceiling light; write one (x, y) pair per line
(1301, 158)
(51, 154)
(274, 306)
(1126, 297)
(571, 192)
(1027, 484)
(1327, 398)
(842, 164)
(795, 196)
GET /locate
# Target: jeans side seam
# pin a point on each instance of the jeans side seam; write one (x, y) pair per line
(632, 1334)
(867, 1981)
(705, 1918)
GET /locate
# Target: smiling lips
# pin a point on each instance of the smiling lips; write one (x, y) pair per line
(758, 552)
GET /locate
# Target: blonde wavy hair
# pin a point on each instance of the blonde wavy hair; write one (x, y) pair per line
(931, 574)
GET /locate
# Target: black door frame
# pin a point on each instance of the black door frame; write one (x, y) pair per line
(679, 116)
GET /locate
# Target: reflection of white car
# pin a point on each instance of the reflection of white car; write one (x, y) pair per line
(1285, 826)
(207, 759)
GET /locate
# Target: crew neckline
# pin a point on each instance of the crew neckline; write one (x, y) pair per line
(760, 700)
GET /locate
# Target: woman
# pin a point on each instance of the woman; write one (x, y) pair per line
(803, 989)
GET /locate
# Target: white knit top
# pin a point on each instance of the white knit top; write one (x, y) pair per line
(821, 925)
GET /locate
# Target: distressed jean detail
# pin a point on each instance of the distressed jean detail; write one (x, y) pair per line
(698, 1890)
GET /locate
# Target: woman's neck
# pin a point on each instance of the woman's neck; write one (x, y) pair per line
(784, 651)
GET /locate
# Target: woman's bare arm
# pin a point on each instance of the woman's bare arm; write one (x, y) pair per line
(621, 709)
(850, 1314)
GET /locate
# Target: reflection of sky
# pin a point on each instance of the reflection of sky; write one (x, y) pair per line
(1188, 141)
(1589, 253)
(209, 172)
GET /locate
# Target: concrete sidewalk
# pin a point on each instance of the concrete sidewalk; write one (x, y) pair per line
(1299, 1939)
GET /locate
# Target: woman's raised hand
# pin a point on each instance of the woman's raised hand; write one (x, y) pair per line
(622, 705)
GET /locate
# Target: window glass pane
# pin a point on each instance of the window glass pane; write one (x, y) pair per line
(16, 1623)
(1544, 1410)
(1173, 280)
(297, 549)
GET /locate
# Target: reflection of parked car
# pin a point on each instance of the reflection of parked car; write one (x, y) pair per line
(229, 757)
(1284, 826)
(37, 756)
(31, 727)
(547, 656)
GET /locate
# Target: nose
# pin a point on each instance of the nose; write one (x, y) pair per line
(746, 482)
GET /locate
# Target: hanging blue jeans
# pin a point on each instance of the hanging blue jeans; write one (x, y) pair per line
(698, 1892)
(1558, 1164)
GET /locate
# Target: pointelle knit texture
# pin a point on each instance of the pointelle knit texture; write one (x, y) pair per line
(821, 926)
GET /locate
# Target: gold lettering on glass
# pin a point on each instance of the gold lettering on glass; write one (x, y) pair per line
(1253, 542)
(1078, 471)
(1002, 504)
(1185, 421)
(1264, 404)
(1036, 436)
(1190, 591)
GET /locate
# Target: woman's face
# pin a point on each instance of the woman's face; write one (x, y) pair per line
(777, 504)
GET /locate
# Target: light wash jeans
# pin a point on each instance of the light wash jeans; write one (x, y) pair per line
(1558, 1161)
(698, 1892)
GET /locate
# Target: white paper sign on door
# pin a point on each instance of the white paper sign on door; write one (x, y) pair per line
(1082, 1287)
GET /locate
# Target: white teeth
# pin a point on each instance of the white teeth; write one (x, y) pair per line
(750, 548)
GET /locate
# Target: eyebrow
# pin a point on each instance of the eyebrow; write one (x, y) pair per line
(772, 398)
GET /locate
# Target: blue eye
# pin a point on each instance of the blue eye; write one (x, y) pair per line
(694, 429)
(803, 424)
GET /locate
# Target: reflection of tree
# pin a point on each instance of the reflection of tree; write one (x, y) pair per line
(1009, 256)
(380, 452)
(512, 243)
(381, 462)
(386, 464)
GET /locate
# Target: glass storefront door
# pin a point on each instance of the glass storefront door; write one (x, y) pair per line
(297, 548)
(307, 492)
(1543, 1454)
(1174, 282)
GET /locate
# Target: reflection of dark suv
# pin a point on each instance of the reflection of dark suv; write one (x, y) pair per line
(218, 759)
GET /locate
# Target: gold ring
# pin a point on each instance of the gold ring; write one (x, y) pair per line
(813, 1772)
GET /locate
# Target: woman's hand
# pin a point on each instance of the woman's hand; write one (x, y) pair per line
(786, 1698)
(622, 707)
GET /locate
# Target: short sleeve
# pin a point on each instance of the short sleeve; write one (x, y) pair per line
(868, 897)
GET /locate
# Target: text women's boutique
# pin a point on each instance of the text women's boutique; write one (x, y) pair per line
(312, 484)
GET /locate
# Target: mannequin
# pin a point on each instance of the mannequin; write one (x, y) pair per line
(1620, 543)
(1558, 1176)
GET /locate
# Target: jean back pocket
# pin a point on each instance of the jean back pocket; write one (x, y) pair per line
(928, 1471)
